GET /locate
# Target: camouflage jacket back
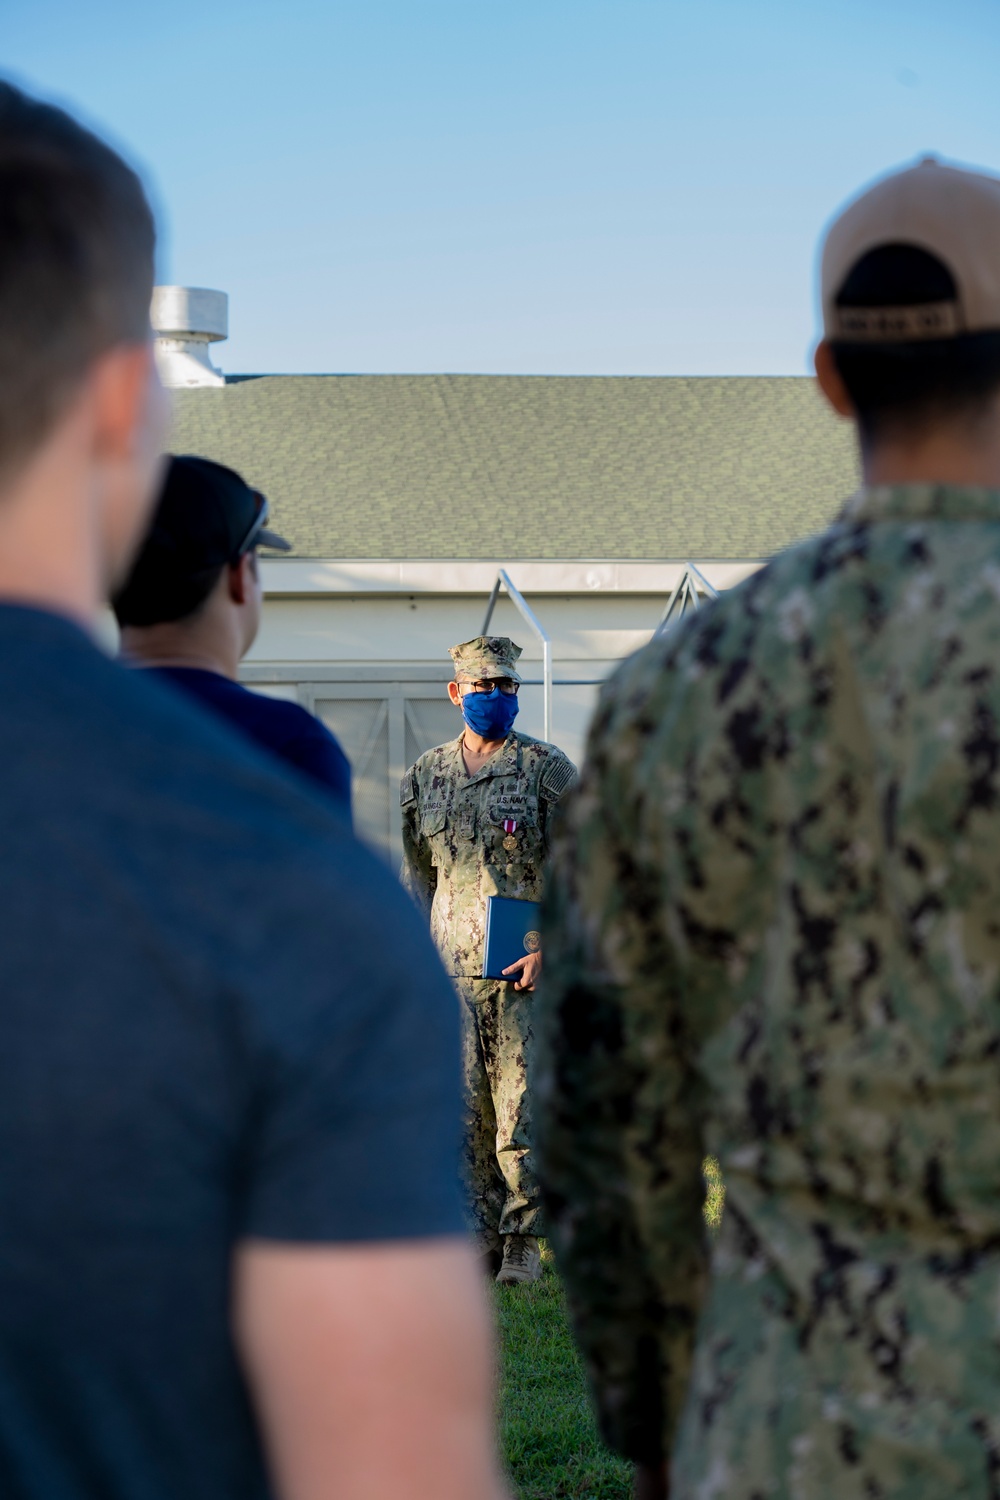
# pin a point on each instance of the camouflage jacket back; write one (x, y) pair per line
(774, 936)
(454, 835)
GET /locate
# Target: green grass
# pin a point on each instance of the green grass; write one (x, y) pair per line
(547, 1433)
(715, 1193)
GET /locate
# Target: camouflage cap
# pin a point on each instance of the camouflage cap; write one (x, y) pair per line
(486, 656)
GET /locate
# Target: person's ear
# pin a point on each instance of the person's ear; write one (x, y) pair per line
(240, 578)
(454, 694)
(129, 417)
(120, 384)
(831, 382)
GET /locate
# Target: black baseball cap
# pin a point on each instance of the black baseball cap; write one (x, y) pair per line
(207, 516)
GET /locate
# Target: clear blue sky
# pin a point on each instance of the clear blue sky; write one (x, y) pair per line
(602, 186)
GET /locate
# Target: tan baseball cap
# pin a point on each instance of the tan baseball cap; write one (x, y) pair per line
(949, 212)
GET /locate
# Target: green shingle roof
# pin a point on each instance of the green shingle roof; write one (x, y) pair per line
(540, 467)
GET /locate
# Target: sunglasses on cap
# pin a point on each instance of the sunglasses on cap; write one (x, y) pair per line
(261, 517)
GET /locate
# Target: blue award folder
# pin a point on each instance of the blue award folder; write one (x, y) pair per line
(511, 933)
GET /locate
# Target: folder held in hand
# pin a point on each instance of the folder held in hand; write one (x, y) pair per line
(511, 933)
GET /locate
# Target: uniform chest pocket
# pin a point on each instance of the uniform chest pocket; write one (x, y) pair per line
(458, 822)
(432, 821)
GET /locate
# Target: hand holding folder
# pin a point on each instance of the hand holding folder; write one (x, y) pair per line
(512, 935)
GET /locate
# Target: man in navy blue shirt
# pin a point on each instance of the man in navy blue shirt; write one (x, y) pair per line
(191, 609)
(231, 1259)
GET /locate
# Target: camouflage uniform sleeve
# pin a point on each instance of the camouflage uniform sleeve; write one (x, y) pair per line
(613, 1101)
(417, 873)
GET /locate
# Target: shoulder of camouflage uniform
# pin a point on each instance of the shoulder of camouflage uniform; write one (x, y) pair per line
(720, 636)
(424, 767)
(408, 787)
(558, 774)
(709, 643)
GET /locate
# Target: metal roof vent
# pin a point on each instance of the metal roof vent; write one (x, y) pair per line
(186, 319)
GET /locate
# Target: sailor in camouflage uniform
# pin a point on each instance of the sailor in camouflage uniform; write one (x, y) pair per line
(477, 817)
(773, 935)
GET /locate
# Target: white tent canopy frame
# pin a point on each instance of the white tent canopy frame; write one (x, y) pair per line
(525, 610)
(686, 597)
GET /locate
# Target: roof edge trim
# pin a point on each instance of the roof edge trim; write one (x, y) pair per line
(297, 577)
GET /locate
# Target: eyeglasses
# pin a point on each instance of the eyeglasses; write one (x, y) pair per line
(260, 520)
(505, 684)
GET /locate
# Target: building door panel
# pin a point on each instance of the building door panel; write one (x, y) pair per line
(429, 722)
(383, 728)
(362, 727)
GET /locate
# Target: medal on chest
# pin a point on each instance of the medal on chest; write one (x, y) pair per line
(510, 828)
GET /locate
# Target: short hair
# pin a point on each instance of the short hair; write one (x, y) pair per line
(162, 599)
(153, 597)
(900, 388)
(76, 264)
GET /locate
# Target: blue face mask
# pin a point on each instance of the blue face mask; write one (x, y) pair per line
(490, 714)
